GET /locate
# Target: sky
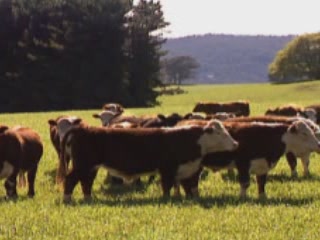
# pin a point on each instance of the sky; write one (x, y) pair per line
(253, 17)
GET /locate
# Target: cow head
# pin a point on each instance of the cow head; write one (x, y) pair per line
(309, 113)
(216, 138)
(301, 139)
(106, 117)
(113, 107)
(64, 124)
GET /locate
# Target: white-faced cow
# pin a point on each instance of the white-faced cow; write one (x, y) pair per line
(113, 107)
(58, 128)
(175, 153)
(260, 147)
(239, 108)
(291, 158)
(20, 152)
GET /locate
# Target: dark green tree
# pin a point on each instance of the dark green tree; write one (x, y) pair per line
(178, 69)
(299, 60)
(145, 25)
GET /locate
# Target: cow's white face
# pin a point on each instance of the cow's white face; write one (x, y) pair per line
(105, 117)
(300, 139)
(65, 124)
(216, 138)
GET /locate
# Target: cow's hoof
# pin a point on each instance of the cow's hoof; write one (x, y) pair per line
(66, 198)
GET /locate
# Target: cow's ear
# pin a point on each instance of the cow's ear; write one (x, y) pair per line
(96, 115)
(161, 116)
(187, 116)
(77, 121)
(52, 122)
(293, 128)
(3, 129)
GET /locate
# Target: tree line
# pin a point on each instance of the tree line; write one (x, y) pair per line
(76, 54)
(299, 60)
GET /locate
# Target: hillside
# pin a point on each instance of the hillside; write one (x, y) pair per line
(229, 58)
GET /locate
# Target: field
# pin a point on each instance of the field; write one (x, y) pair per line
(290, 212)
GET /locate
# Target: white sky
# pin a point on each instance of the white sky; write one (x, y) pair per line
(267, 17)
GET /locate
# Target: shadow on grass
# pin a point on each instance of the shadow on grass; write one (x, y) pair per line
(230, 200)
(288, 178)
(204, 202)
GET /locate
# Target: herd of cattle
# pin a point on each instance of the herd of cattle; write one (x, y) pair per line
(214, 135)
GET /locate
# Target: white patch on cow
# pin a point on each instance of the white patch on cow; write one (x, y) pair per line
(7, 170)
(128, 179)
(107, 116)
(64, 125)
(188, 169)
(124, 125)
(259, 166)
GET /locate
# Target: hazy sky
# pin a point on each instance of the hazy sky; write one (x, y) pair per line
(268, 17)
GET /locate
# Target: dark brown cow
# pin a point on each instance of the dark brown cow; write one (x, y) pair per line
(20, 151)
(239, 108)
(292, 110)
(291, 158)
(175, 153)
(56, 134)
(260, 147)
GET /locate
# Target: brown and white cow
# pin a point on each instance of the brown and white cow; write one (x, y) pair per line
(292, 110)
(316, 108)
(175, 153)
(260, 147)
(239, 108)
(291, 158)
(20, 152)
(58, 128)
(113, 107)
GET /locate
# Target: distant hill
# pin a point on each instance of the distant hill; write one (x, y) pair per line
(229, 58)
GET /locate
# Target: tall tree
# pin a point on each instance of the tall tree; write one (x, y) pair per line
(179, 68)
(146, 23)
(299, 60)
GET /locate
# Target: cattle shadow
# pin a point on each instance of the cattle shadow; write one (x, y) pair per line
(289, 178)
(231, 200)
(4, 199)
(206, 202)
(108, 189)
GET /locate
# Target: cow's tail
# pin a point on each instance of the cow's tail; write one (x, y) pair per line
(63, 159)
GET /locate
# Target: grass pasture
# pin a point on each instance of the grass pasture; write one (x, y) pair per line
(290, 212)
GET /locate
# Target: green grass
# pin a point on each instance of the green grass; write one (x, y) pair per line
(290, 212)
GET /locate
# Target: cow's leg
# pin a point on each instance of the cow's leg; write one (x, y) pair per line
(87, 182)
(31, 178)
(70, 182)
(261, 182)
(305, 163)
(190, 185)
(11, 184)
(167, 181)
(292, 161)
(244, 180)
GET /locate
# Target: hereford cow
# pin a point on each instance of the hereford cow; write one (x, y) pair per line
(260, 147)
(292, 110)
(316, 108)
(175, 153)
(239, 108)
(291, 158)
(113, 107)
(58, 128)
(20, 152)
